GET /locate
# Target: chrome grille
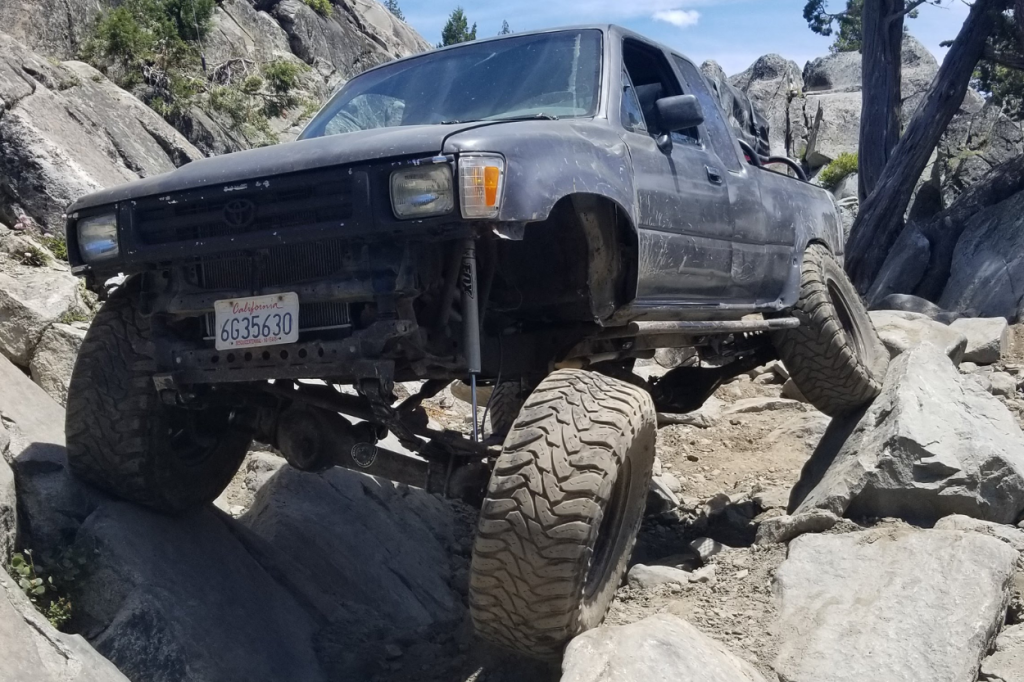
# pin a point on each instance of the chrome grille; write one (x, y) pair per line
(323, 197)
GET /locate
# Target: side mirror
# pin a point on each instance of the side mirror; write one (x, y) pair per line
(679, 113)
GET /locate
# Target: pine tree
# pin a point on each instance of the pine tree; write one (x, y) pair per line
(505, 30)
(457, 29)
(392, 6)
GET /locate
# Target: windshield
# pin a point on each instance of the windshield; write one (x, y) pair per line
(550, 75)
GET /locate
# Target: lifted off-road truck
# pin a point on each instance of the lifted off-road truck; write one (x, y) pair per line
(532, 213)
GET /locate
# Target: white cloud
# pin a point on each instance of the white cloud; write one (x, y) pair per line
(678, 17)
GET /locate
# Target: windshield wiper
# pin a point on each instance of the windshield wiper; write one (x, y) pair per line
(531, 117)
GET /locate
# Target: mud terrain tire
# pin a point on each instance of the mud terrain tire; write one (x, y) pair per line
(561, 513)
(503, 407)
(123, 439)
(835, 356)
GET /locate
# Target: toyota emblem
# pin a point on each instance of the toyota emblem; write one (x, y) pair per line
(239, 213)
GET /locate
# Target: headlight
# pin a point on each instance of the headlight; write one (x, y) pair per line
(97, 237)
(481, 182)
(420, 192)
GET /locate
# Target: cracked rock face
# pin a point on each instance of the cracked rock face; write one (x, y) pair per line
(932, 444)
(886, 604)
(65, 131)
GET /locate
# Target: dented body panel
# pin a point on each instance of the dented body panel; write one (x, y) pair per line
(600, 224)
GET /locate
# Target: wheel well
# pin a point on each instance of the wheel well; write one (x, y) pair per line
(547, 274)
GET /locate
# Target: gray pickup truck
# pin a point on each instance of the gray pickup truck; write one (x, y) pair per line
(530, 215)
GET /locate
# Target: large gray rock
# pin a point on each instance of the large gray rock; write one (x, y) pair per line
(903, 268)
(915, 304)
(1006, 664)
(297, 513)
(168, 600)
(204, 597)
(1014, 537)
(900, 331)
(890, 604)
(68, 131)
(833, 126)
(932, 444)
(35, 419)
(56, 28)
(31, 302)
(987, 273)
(839, 71)
(771, 83)
(54, 357)
(661, 648)
(341, 46)
(34, 650)
(987, 338)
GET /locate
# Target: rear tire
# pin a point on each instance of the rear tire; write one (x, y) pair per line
(503, 407)
(562, 510)
(835, 356)
(123, 439)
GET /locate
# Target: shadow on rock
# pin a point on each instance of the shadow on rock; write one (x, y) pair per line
(329, 576)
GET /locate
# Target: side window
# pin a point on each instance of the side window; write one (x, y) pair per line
(719, 135)
(632, 115)
(652, 79)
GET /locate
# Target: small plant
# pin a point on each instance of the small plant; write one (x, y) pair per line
(839, 168)
(34, 256)
(57, 246)
(47, 589)
(73, 315)
(322, 7)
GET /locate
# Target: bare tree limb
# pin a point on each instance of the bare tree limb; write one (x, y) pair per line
(1010, 61)
(907, 10)
(881, 215)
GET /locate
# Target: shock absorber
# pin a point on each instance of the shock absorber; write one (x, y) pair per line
(471, 322)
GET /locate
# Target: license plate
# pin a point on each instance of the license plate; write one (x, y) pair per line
(257, 321)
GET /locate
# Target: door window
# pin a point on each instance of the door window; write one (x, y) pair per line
(719, 136)
(652, 79)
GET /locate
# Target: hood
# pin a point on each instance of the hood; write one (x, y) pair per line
(291, 157)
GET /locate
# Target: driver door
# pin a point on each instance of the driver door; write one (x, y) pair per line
(685, 224)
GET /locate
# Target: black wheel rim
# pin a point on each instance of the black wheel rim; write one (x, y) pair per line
(852, 330)
(610, 534)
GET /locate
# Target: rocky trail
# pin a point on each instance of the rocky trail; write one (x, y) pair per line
(344, 576)
(778, 544)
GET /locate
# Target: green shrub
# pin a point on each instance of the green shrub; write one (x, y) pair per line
(154, 43)
(321, 7)
(34, 256)
(839, 168)
(48, 589)
(57, 246)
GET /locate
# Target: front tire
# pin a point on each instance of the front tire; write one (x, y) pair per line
(124, 440)
(562, 510)
(835, 356)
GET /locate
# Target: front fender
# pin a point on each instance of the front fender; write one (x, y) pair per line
(550, 160)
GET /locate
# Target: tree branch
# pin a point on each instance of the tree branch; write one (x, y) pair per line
(911, 7)
(1010, 61)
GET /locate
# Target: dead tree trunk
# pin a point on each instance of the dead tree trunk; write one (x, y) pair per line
(882, 22)
(881, 214)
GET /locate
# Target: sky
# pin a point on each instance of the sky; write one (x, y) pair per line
(732, 32)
